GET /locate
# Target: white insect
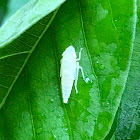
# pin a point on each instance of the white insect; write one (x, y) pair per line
(69, 72)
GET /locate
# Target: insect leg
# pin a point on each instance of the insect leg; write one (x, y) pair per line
(82, 73)
(79, 55)
(85, 79)
(76, 76)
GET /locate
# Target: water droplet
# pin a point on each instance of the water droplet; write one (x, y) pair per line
(66, 129)
(54, 136)
(97, 61)
(102, 67)
(52, 100)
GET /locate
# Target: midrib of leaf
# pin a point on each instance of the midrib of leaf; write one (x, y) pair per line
(30, 109)
(28, 56)
(32, 118)
(57, 67)
(86, 45)
(69, 124)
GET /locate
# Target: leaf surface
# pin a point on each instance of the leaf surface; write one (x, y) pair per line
(34, 108)
(3, 10)
(129, 113)
(16, 46)
(10, 7)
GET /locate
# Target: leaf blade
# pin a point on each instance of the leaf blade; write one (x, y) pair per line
(128, 119)
(5, 53)
(89, 114)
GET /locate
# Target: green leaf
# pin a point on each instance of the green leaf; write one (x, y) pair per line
(17, 45)
(10, 7)
(34, 108)
(3, 10)
(129, 113)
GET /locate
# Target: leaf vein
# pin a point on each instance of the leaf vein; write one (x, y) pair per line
(14, 54)
(65, 110)
(24, 43)
(113, 20)
(32, 34)
(32, 119)
(86, 45)
(7, 75)
(4, 86)
(84, 108)
(28, 56)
